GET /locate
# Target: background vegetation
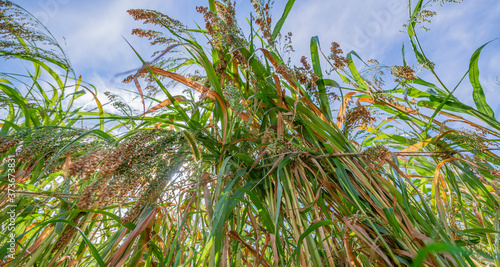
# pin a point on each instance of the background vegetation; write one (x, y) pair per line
(257, 163)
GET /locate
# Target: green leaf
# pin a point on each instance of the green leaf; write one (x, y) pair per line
(480, 231)
(361, 82)
(439, 247)
(93, 250)
(280, 23)
(323, 97)
(309, 230)
(478, 93)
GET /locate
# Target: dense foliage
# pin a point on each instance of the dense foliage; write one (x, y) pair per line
(259, 162)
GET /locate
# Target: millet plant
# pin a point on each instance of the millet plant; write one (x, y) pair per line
(258, 162)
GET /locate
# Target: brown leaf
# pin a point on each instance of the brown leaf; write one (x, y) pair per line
(66, 165)
(164, 104)
(138, 85)
(236, 236)
(275, 250)
(281, 124)
(119, 253)
(343, 108)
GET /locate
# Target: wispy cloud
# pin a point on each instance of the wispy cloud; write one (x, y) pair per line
(368, 27)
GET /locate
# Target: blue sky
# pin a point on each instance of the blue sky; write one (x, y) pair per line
(91, 32)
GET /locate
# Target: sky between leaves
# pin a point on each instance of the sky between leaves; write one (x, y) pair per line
(91, 32)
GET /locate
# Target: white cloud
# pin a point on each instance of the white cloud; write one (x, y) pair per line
(93, 31)
(368, 27)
